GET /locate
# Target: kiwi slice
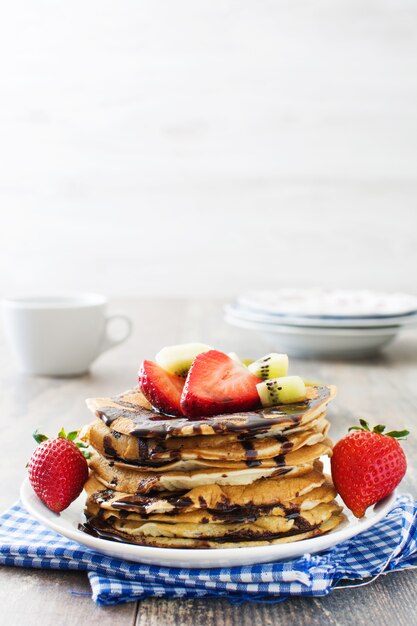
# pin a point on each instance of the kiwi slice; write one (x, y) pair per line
(177, 359)
(270, 366)
(237, 358)
(247, 361)
(284, 390)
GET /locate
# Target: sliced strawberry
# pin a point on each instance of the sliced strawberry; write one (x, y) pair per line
(162, 389)
(217, 384)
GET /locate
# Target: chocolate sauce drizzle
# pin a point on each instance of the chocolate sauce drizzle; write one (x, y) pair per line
(97, 527)
(146, 423)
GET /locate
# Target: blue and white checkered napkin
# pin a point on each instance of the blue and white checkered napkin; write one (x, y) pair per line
(391, 545)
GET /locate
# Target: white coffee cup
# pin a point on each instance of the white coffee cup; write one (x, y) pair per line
(59, 335)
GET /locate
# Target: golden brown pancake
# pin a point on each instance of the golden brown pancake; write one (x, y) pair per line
(131, 414)
(132, 479)
(262, 526)
(133, 482)
(108, 505)
(154, 452)
(286, 491)
(114, 531)
(296, 457)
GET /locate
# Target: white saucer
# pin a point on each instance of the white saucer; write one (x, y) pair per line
(305, 341)
(254, 315)
(333, 303)
(66, 523)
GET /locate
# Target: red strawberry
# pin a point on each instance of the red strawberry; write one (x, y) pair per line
(367, 466)
(57, 471)
(218, 384)
(162, 389)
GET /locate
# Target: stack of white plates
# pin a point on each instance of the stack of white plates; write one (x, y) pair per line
(318, 322)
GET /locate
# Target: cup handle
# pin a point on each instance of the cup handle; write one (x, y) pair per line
(108, 342)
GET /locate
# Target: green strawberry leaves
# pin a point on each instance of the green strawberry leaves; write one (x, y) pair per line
(379, 429)
(38, 437)
(71, 436)
(396, 434)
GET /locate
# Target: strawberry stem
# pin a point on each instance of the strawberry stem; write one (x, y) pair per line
(379, 429)
(397, 434)
(72, 436)
(38, 437)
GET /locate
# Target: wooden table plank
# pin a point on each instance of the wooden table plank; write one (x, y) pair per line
(29, 596)
(380, 389)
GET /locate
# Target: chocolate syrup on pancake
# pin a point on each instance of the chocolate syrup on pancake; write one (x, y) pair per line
(107, 445)
(99, 528)
(149, 423)
(280, 460)
(286, 444)
(250, 453)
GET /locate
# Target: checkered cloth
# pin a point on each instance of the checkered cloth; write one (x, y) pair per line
(391, 545)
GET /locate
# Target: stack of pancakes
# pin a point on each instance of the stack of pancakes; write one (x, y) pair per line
(241, 479)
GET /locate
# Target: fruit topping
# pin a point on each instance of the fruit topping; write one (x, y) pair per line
(177, 359)
(367, 466)
(218, 384)
(284, 390)
(270, 366)
(247, 361)
(58, 470)
(162, 389)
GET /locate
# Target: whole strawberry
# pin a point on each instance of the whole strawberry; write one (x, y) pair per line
(58, 470)
(367, 466)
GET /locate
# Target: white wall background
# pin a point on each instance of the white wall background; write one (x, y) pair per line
(205, 147)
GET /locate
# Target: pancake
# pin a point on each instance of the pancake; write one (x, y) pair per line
(321, 495)
(133, 479)
(296, 457)
(286, 492)
(263, 526)
(103, 529)
(173, 481)
(131, 414)
(154, 452)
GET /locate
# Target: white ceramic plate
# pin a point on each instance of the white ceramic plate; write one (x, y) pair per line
(322, 303)
(66, 523)
(253, 315)
(305, 341)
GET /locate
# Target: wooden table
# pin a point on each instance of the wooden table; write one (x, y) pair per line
(381, 389)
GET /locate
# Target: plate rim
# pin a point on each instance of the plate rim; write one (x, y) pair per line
(211, 558)
(341, 323)
(312, 330)
(253, 300)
